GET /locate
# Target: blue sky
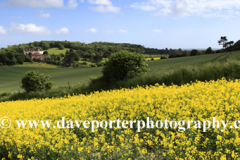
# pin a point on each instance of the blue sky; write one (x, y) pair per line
(152, 23)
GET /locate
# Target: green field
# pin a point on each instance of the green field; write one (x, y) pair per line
(10, 76)
(57, 51)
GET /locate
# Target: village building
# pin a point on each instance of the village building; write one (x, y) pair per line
(34, 53)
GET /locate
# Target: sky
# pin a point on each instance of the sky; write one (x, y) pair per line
(152, 23)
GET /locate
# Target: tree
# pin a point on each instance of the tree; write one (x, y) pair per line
(61, 47)
(184, 53)
(167, 51)
(223, 41)
(70, 57)
(180, 51)
(45, 53)
(123, 65)
(209, 50)
(35, 81)
(194, 52)
(19, 60)
(228, 44)
(97, 58)
(45, 45)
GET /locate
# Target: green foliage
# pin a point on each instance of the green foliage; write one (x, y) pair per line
(194, 52)
(19, 60)
(185, 53)
(45, 45)
(70, 57)
(97, 58)
(35, 81)
(209, 50)
(45, 53)
(61, 47)
(48, 85)
(14, 61)
(123, 65)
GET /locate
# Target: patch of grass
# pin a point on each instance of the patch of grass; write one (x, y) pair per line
(57, 51)
(36, 64)
(155, 56)
(10, 76)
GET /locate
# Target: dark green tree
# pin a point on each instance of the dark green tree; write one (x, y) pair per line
(70, 57)
(123, 65)
(97, 58)
(223, 41)
(194, 52)
(209, 50)
(19, 60)
(61, 47)
(35, 81)
(45, 53)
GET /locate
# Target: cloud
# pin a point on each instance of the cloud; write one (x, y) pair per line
(100, 2)
(144, 7)
(182, 8)
(72, 4)
(104, 6)
(122, 31)
(106, 9)
(32, 3)
(2, 30)
(157, 31)
(29, 28)
(45, 15)
(179, 8)
(62, 31)
(92, 30)
(82, 1)
(108, 31)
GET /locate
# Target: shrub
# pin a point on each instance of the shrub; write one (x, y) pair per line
(35, 81)
(1, 64)
(37, 60)
(123, 65)
(184, 53)
(219, 51)
(100, 64)
(48, 85)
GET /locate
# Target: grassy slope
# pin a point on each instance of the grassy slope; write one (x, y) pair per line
(57, 51)
(10, 76)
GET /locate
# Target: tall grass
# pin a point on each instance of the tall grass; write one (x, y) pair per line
(230, 69)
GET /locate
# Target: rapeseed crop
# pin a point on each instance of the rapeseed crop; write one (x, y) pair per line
(197, 101)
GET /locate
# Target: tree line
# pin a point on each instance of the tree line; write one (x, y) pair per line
(94, 52)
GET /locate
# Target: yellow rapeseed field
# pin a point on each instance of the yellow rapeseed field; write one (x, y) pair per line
(197, 101)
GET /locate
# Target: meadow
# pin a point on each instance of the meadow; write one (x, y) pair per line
(57, 51)
(10, 76)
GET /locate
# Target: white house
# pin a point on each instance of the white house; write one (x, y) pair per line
(33, 51)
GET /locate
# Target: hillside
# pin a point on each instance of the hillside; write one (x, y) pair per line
(10, 76)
